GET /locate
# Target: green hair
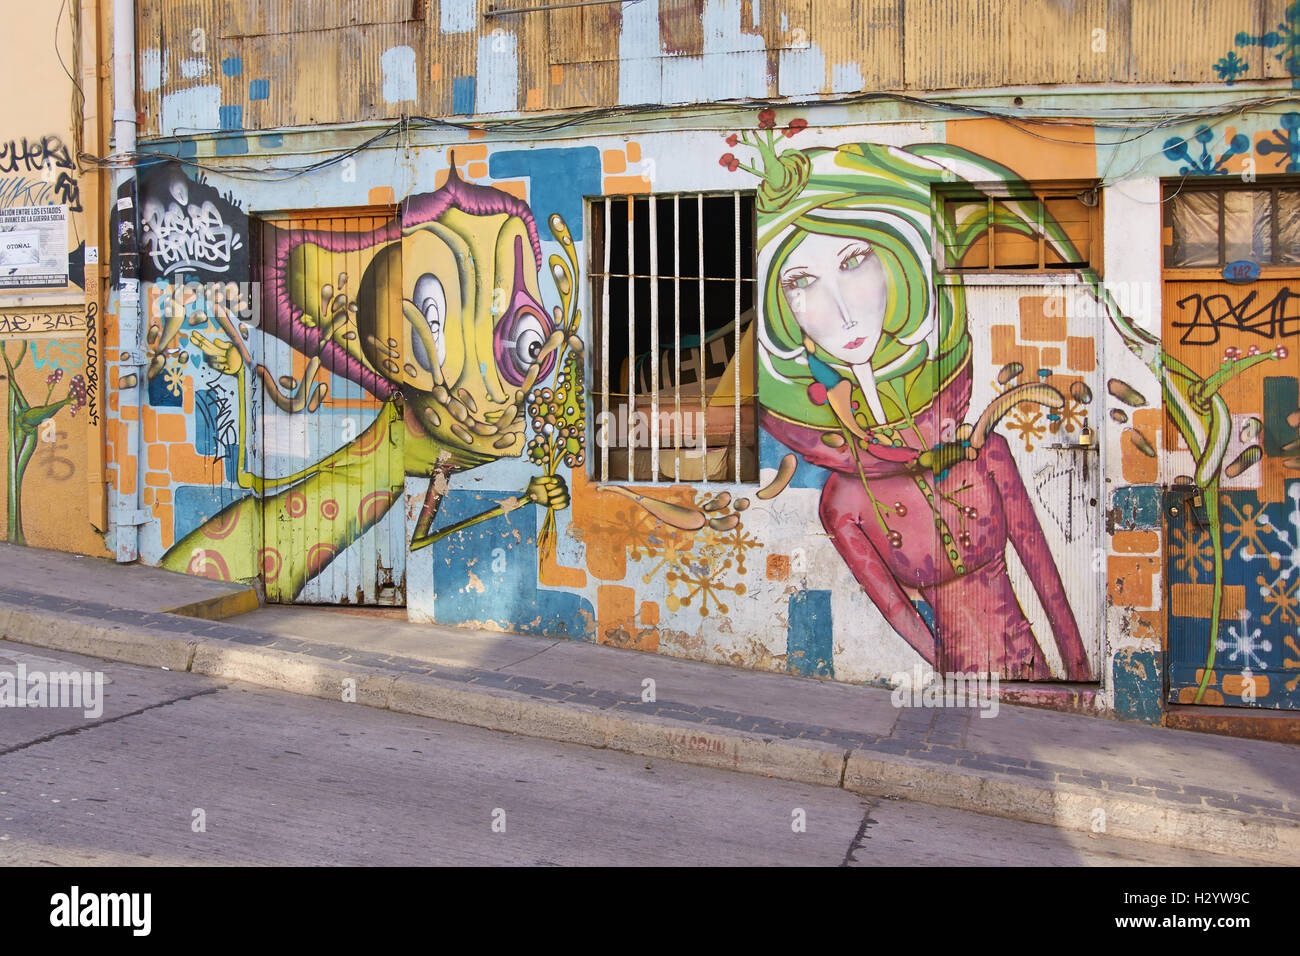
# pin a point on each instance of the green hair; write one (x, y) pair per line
(884, 196)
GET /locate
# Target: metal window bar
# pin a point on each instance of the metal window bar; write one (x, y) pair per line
(677, 337)
(1222, 229)
(649, 270)
(735, 355)
(630, 401)
(604, 348)
(1041, 203)
(700, 360)
(654, 340)
(1274, 255)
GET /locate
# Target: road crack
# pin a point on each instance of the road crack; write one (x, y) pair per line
(108, 720)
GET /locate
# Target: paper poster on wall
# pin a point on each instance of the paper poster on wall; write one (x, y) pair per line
(33, 247)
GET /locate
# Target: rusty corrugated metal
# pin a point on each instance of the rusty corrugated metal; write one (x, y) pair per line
(322, 58)
(148, 45)
(281, 63)
(1272, 15)
(453, 55)
(1073, 41)
(951, 45)
(309, 16)
(867, 36)
(584, 34)
(1180, 40)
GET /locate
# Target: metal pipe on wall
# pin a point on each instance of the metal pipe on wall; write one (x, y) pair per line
(126, 517)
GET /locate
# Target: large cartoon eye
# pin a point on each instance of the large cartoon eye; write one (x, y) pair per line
(519, 340)
(530, 336)
(431, 301)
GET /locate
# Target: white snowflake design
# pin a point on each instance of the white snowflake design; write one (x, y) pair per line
(1244, 643)
(1280, 592)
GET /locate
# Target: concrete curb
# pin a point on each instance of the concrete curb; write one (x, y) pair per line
(804, 761)
(1074, 808)
(82, 636)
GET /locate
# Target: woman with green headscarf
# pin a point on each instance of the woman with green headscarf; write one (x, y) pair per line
(864, 369)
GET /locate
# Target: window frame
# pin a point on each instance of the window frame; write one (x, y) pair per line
(1172, 188)
(599, 393)
(944, 193)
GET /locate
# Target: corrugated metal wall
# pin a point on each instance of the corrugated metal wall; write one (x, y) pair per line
(285, 63)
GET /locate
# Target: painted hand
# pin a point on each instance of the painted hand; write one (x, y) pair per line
(219, 353)
(550, 491)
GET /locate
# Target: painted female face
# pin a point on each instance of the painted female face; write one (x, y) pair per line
(837, 290)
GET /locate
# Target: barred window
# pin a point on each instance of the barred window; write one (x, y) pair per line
(673, 299)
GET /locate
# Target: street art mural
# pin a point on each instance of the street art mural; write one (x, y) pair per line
(865, 371)
(31, 423)
(899, 414)
(445, 339)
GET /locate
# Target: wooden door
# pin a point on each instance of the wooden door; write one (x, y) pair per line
(1232, 538)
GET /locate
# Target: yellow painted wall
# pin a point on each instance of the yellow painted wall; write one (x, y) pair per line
(43, 330)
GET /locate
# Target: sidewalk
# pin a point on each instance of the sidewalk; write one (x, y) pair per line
(1178, 788)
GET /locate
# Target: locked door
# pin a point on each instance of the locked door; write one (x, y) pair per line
(332, 431)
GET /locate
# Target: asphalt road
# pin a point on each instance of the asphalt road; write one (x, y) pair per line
(180, 769)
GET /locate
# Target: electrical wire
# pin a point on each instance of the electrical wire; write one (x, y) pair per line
(1132, 127)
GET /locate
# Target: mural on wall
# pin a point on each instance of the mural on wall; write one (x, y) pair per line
(865, 371)
(32, 426)
(1284, 38)
(445, 334)
(874, 391)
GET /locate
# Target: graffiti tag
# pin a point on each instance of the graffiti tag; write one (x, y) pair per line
(17, 191)
(43, 155)
(182, 235)
(39, 322)
(92, 361)
(215, 407)
(34, 155)
(57, 355)
(1271, 319)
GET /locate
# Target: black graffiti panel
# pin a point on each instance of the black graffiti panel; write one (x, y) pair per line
(187, 228)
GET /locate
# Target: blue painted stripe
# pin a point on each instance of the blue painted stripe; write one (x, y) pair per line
(809, 646)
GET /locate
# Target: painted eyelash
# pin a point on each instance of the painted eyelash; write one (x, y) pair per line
(864, 250)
